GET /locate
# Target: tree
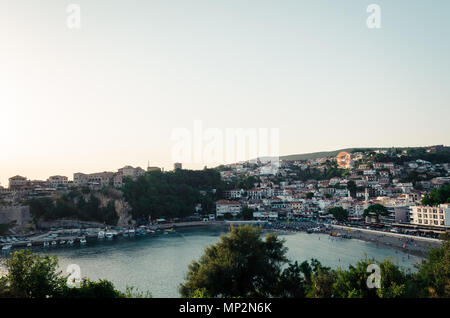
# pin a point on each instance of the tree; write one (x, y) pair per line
(376, 209)
(241, 264)
(433, 276)
(437, 196)
(247, 213)
(34, 276)
(351, 186)
(309, 195)
(352, 283)
(339, 213)
(292, 282)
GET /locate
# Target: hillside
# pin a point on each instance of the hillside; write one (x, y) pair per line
(334, 153)
(322, 154)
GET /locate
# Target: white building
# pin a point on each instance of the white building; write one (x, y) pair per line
(55, 181)
(17, 182)
(436, 216)
(225, 206)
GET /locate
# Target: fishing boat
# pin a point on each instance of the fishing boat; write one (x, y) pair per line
(62, 242)
(131, 232)
(101, 235)
(46, 244)
(83, 240)
(6, 247)
(54, 243)
(109, 235)
(29, 244)
(70, 242)
(125, 233)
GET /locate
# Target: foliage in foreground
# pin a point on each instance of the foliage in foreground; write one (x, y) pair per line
(235, 267)
(243, 264)
(34, 276)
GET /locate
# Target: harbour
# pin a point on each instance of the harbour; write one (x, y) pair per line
(158, 262)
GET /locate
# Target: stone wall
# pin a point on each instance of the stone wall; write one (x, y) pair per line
(18, 214)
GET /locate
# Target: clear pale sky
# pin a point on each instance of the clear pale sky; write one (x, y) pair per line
(111, 93)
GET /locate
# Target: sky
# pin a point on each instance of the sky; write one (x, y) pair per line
(113, 92)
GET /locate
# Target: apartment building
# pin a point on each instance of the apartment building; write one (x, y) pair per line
(435, 216)
(99, 178)
(225, 206)
(55, 181)
(18, 183)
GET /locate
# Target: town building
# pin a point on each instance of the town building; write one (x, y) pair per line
(18, 183)
(431, 216)
(224, 206)
(55, 181)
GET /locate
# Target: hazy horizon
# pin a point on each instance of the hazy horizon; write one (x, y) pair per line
(111, 93)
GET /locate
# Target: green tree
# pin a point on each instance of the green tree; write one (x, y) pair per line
(34, 276)
(247, 213)
(376, 209)
(241, 264)
(437, 196)
(352, 283)
(339, 213)
(433, 276)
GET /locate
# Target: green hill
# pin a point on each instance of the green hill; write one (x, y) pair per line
(322, 154)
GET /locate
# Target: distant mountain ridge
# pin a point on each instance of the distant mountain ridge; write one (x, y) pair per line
(322, 154)
(334, 153)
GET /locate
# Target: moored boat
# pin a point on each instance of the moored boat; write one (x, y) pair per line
(6, 247)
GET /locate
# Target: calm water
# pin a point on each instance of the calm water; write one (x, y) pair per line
(159, 263)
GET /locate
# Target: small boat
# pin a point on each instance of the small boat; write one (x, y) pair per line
(125, 234)
(83, 241)
(132, 232)
(62, 242)
(46, 244)
(70, 242)
(54, 243)
(109, 235)
(6, 247)
(101, 235)
(29, 244)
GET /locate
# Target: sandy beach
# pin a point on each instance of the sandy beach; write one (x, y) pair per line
(413, 245)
